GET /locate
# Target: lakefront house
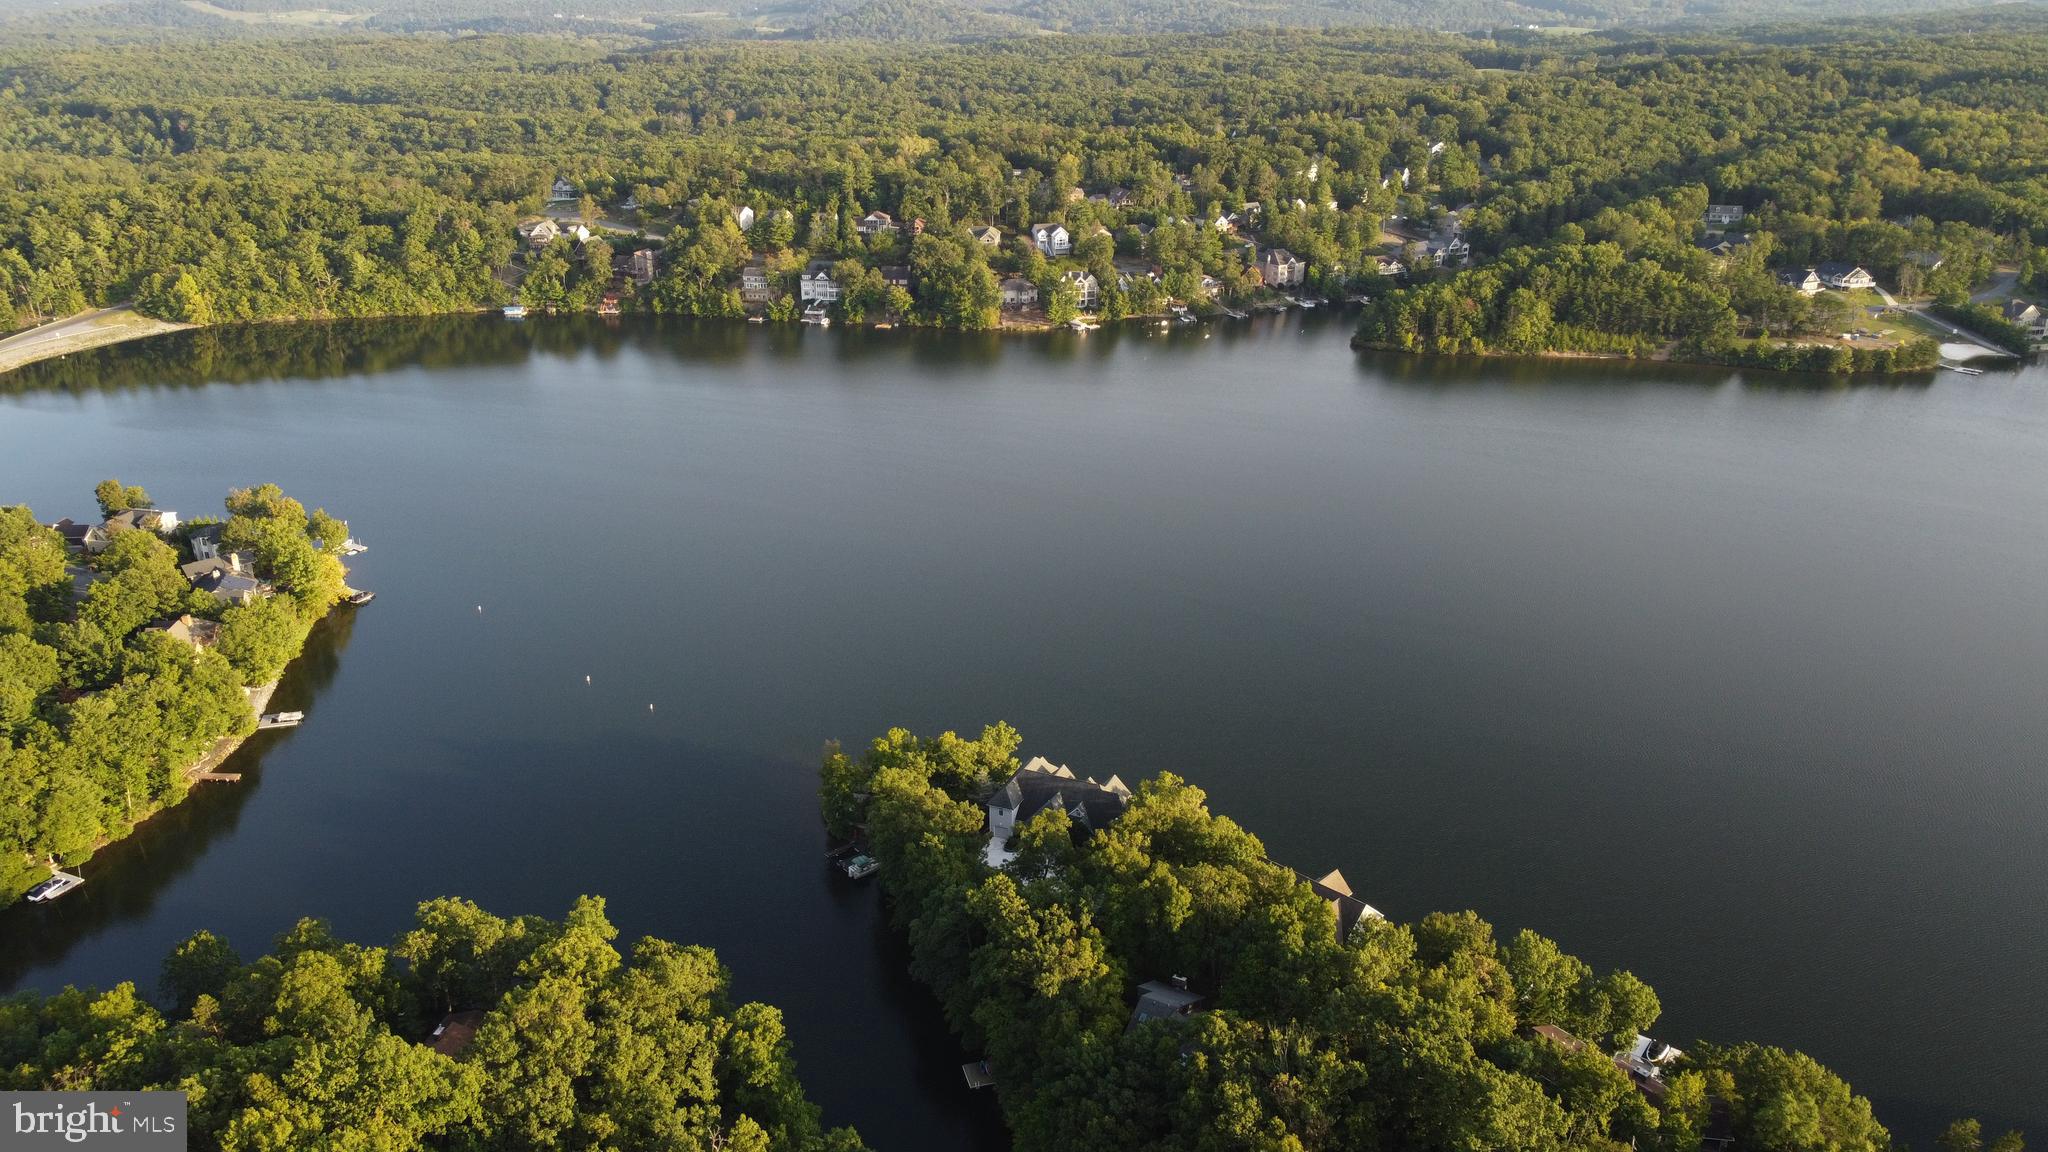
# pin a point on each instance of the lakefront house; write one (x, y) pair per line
(1040, 785)
(1052, 239)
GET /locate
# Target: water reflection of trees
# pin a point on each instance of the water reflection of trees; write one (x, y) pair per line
(318, 350)
(125, 877)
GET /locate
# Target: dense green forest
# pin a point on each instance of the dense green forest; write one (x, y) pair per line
(469, 1032)
(217, 181)
(667, 20)
(103, 710)
(1419, 1037)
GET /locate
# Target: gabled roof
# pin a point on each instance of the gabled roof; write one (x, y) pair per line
(1830, 269)
(1042, 784)
(1348, 909)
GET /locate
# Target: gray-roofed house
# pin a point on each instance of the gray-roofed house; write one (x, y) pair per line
(1158, 1000)
(755, 287)
(1806, 283)
(988, 236)
(72, 531)
(231, 577)
(1844, 275)
(817, 284)
(1349, 910)
(1040, 785)
(1721, 215)
(1281, 268)
(1018, 292)
(1052, 239)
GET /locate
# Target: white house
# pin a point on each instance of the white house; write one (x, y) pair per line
(2030, 317)
(1807, 283)
(875, 224)
(1089, 288)
(745, 219)
(817, 284)
(539, 233)
(1052, 239)
(1722, 215)
(988, 236)
(1844, 275)
(563, 190)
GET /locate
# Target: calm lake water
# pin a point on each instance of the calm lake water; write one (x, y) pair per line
(1734, 681)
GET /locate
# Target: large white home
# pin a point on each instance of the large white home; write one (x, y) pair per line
(817, 284)
(1844, 275)
(1722, 215)
(875, 224)
(1087, 287)
(1052, 239)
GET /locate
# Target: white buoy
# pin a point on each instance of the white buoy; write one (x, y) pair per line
(479, 609)
(586, 679)
(650, 707)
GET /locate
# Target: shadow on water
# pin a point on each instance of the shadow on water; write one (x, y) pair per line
(329, 349)
(125, 877)
(1445, 373)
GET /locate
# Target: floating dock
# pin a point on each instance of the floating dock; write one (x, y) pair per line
(217, 777)
(977, 1074)
(279, 720)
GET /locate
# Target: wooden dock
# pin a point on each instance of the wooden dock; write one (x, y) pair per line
(977, 1074)
(217, 777)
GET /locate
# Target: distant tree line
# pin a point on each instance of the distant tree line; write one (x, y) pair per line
(308, 177)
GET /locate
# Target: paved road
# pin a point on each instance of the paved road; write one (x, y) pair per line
(64, 329)
(1999, 288)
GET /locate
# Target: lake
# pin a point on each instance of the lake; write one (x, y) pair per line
(1734, 680)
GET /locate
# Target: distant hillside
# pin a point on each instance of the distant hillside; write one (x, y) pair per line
(919, 20)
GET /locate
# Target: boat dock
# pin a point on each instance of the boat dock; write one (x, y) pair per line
(58, 884)
(217, 777)
(279, 720)
(977, 1074)
(358, 597)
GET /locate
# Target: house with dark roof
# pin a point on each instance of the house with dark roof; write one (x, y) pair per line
(72, 531)
(1040, 785)
(1806, 283)
(1844, 275)
(1348, 909)
(1159, 1000)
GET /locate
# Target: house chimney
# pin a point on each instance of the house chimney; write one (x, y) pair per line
(235, 562)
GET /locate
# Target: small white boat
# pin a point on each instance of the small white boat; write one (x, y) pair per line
(515, 311)
(860, 867)
(757, 319)
(58, 884)
(1080, 325)
(280, 719)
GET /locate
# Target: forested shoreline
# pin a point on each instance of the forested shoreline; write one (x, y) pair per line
(119, 672)
(471, 1031)
(215, 182)
(1426, 1036)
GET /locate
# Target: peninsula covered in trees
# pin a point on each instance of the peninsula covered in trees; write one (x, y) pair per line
(1278, 1013)
(126, 644)
(1491, 191)
(471, 1031)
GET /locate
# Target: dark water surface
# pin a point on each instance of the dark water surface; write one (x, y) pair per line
(1737, 682)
